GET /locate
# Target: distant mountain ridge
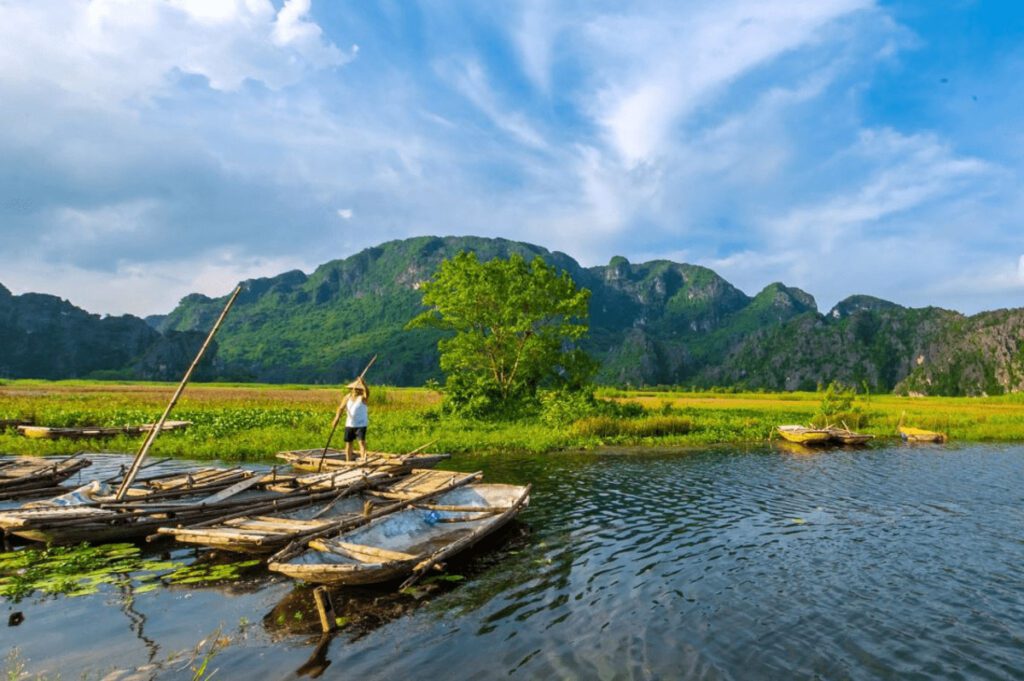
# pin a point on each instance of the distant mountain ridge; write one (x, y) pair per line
(658, 322)
(43, 336)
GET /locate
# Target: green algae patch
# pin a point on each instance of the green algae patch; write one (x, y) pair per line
(67, 570)
(83, 569)
(210, 573)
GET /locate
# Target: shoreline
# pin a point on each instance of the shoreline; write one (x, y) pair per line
(251, 422)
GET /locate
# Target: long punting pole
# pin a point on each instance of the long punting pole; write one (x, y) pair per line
(152, 434)
(337, 416)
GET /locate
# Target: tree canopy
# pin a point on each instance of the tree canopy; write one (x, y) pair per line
(515, 324)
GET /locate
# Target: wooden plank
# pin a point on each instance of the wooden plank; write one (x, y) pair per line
(360, 551)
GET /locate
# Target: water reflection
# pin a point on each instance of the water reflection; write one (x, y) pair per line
(884, 563)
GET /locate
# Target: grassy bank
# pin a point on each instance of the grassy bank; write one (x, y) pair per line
(251, 422)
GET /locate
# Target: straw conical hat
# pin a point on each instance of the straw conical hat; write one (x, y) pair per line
(361, 385)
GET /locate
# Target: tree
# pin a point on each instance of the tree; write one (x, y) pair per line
(516, 327)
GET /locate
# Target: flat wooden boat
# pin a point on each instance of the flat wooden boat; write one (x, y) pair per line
(309, 460)
(920, 435)
(405, 543)
(26, 476)
(268, 529)
(92, 513)
(848, 437)
(86, 432)
(805, 436)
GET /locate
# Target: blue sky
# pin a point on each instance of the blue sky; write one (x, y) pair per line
(149, 149)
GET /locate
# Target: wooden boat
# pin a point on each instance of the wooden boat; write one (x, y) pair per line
(268, 529)
(805, 436)
(848, 437)
(26, 476)
(920, 435)
(85, 432)
(405, 543)
(309, 460)
(92, 513)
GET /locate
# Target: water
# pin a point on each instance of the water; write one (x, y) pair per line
(891, 563)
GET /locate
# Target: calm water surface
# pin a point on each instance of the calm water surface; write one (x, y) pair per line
(892, 563)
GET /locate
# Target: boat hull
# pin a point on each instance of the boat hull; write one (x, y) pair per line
(920, 435)
(353, 558)
(804, 436)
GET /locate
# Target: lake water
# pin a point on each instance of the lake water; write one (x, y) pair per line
(884, 563)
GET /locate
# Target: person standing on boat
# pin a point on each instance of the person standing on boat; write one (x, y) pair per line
(356, 418)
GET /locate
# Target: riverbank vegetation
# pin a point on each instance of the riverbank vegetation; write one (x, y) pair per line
(251, 422)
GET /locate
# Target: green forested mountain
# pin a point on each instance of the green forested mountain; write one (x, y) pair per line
(652, 323)
(42, 336)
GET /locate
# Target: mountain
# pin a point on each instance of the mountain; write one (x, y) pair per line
(43, 336)
(652, 323)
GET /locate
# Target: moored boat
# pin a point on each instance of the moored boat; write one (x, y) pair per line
(86, 432)
(848, 437)
(27, 476)
(405, 543)
(268, 529)
(920, 435)
(805, 436)
(310, 460)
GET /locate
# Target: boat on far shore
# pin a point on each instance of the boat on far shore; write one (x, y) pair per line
(848, 437)
(85, 432)
(805, 436)
(920, 435)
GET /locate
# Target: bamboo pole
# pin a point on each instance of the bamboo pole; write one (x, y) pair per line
(337, 416)
(152, 434)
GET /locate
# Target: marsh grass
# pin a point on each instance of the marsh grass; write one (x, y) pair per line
(246, 422)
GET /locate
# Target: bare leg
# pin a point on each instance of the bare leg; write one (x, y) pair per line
(362, 449)
(348, 451)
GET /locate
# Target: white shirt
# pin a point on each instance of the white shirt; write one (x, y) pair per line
(357, 416)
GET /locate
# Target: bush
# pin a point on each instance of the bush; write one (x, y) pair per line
(837, 407)
(562, 407)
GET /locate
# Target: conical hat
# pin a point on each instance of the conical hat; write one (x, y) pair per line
(361, 385)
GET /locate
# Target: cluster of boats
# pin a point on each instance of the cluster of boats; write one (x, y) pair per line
(328, 520)
(832, 435)
(365, 521)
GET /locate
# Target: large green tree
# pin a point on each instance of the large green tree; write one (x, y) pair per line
(515, 324)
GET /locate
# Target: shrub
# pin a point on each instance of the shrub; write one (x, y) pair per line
(562, 407)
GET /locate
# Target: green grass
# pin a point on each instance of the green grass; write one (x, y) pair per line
(250, 422)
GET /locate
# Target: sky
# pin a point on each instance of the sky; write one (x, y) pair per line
(150, 149)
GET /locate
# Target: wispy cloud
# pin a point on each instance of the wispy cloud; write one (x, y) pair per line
(757, 138)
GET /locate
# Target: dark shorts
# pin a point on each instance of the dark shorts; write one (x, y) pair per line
(353, 434)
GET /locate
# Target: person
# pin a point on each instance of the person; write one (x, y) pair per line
(356, 418)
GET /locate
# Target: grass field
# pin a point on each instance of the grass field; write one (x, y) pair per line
(251, 422)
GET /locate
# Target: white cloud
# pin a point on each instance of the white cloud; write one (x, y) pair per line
(470, 79)
(114, 50)
(144, 289)
(534, 37)
(345, 213)
(662, 65)
(906, 172)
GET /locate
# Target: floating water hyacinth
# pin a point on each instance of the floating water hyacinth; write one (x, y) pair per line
(81, 570)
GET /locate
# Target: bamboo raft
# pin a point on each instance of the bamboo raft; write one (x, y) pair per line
(104, 520)
(406, 543)
(266, 530)
(87, 432)
(23, 477)
(310, 460)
